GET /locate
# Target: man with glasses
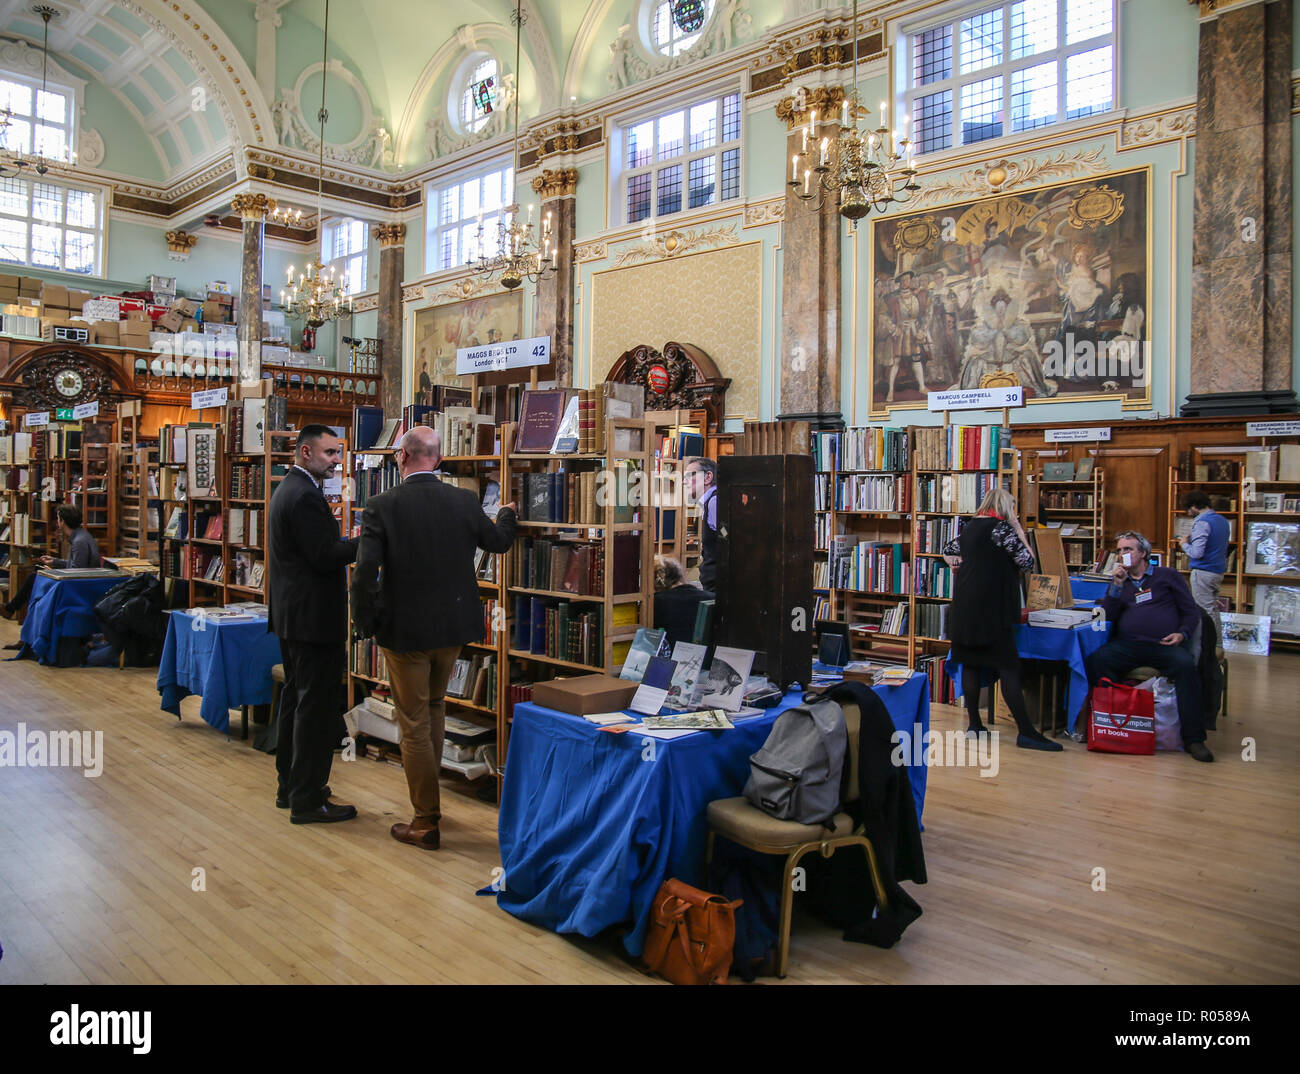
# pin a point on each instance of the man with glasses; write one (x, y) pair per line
(414, 588)
(1152, 615)
(701, 484)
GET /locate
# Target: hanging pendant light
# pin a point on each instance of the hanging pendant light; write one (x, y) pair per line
(11, 163)
(316, 296)
(519, 254)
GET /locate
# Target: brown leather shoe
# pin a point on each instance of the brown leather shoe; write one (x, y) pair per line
(425, 838)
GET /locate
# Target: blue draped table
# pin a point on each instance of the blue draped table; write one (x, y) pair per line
(1085, 589)
(227, 664)
(1071, 647)
(591, 823)
(62, 608)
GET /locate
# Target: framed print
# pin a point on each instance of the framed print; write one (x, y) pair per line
(440, 330)
(1084, 472)
(1244, 633)
(1048, 288)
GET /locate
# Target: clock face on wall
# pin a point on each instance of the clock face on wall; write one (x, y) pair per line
(68, 382)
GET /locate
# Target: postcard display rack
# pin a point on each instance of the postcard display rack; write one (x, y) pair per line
(1256, 487)
(474, 693)
(887, 500)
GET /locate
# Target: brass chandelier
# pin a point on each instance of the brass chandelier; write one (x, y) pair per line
(519, 255)
(316, 296)
(868, 169)
(12, 163)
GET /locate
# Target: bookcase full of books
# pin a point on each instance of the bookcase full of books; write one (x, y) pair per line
(887, 500)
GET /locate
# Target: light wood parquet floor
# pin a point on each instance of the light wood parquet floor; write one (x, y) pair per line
(1201, 863)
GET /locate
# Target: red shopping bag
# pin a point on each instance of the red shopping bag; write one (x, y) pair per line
(1121, 719)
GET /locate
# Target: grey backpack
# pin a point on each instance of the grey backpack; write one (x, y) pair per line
(796, 775)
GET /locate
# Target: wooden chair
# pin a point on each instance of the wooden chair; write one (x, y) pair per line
(742, 823)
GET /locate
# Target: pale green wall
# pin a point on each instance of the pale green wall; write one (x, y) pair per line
(128, 150)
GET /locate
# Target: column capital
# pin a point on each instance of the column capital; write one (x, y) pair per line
(390, 234)
(252, 206)
(179, 245)
(1211, 8)
(556, 183)
(826, 100)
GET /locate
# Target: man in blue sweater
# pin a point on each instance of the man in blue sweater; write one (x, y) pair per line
(1207, 548)
(1152, 614)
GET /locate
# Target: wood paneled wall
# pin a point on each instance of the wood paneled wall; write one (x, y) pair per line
(1137, 459)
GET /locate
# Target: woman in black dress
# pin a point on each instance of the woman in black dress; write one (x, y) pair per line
(988, 556)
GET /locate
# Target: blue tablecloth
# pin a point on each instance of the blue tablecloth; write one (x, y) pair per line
(227, 664)
(591, 823)
(62, 608)
(1049, 643)
(1084, 589)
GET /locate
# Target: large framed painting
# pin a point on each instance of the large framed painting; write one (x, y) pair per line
(440, 330)
(1049, 289)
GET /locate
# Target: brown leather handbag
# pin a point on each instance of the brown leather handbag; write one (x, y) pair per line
(692, 935)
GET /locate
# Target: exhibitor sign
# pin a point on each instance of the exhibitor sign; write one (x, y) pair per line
(1074, 436)
(512, 354)
(976, 399)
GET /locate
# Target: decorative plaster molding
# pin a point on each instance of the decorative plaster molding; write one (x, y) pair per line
(764, 212)
(371, 148)
(628, 62)
(252, 206)
(557, 183)
(90, 147)
(1166, 127)
(816, 48)
(390, 234)
(454, 291)
(1003, 175)
(1215, 8)
(442, 139)
(367, 302)
(827, 101)
(658, 247)
(590, 251)
(179, 245)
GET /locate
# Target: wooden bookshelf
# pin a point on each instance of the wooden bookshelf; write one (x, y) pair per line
(135, 479)
(607, 528)
(1078, 506)
(677, 526)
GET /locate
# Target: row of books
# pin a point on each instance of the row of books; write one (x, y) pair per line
(470, 676)
(520, 692)
(959, 447)
(576, 567)
(932, 578)
(875, 449)
(1066, 501)
(370, 481)
(867, 566)
(873, 492)
(934, 533)
(490, 618)
(953, 493)
(822, 532)
(18, 529)
(244, 526)
(559, 630)
(567, 420)
(823, 492)
(461, 430)
(247, 480)
(942, 689)
(367, 658)
(248, 420)
(932, 621)
(562, 496)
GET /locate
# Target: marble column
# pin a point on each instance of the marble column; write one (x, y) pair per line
(810, 287)
(392, 256)
(253, 210)
(558, 189)
(1241, 338)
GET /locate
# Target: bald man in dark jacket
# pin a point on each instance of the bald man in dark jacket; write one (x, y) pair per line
(414, 588)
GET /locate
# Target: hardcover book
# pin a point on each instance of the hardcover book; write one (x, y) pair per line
(539, 420)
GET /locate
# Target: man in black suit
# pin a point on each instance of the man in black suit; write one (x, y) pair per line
(415, 590)
(309, 614)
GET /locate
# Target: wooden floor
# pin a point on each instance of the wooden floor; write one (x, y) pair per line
(1202, 867)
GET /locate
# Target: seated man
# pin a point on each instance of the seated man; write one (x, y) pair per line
(1152, 614)
(677, 602)
(82, 552)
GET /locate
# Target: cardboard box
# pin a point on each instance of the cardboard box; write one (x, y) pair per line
(585, 694)
(140, 317)
(185, 307)
(220, 286)
(190, 325)
(77, 299)
(29, 287)
(171, 321)
(9, 282)
(211, 310)
(105, 333)
(8, 296)
(54, 295)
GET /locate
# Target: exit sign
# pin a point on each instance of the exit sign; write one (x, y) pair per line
(64, 413)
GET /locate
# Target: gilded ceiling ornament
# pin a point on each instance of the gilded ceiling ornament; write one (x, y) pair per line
(1095, 206)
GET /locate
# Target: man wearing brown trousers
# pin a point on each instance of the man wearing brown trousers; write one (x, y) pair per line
(415, 590)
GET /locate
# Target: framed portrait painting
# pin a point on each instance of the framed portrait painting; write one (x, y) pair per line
(1048, 288)
(439, 331)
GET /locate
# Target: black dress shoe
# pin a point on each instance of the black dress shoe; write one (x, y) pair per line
(282, 802)
(1199, 750)
(326, 813)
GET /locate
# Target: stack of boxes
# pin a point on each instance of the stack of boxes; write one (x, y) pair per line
(20, 299)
